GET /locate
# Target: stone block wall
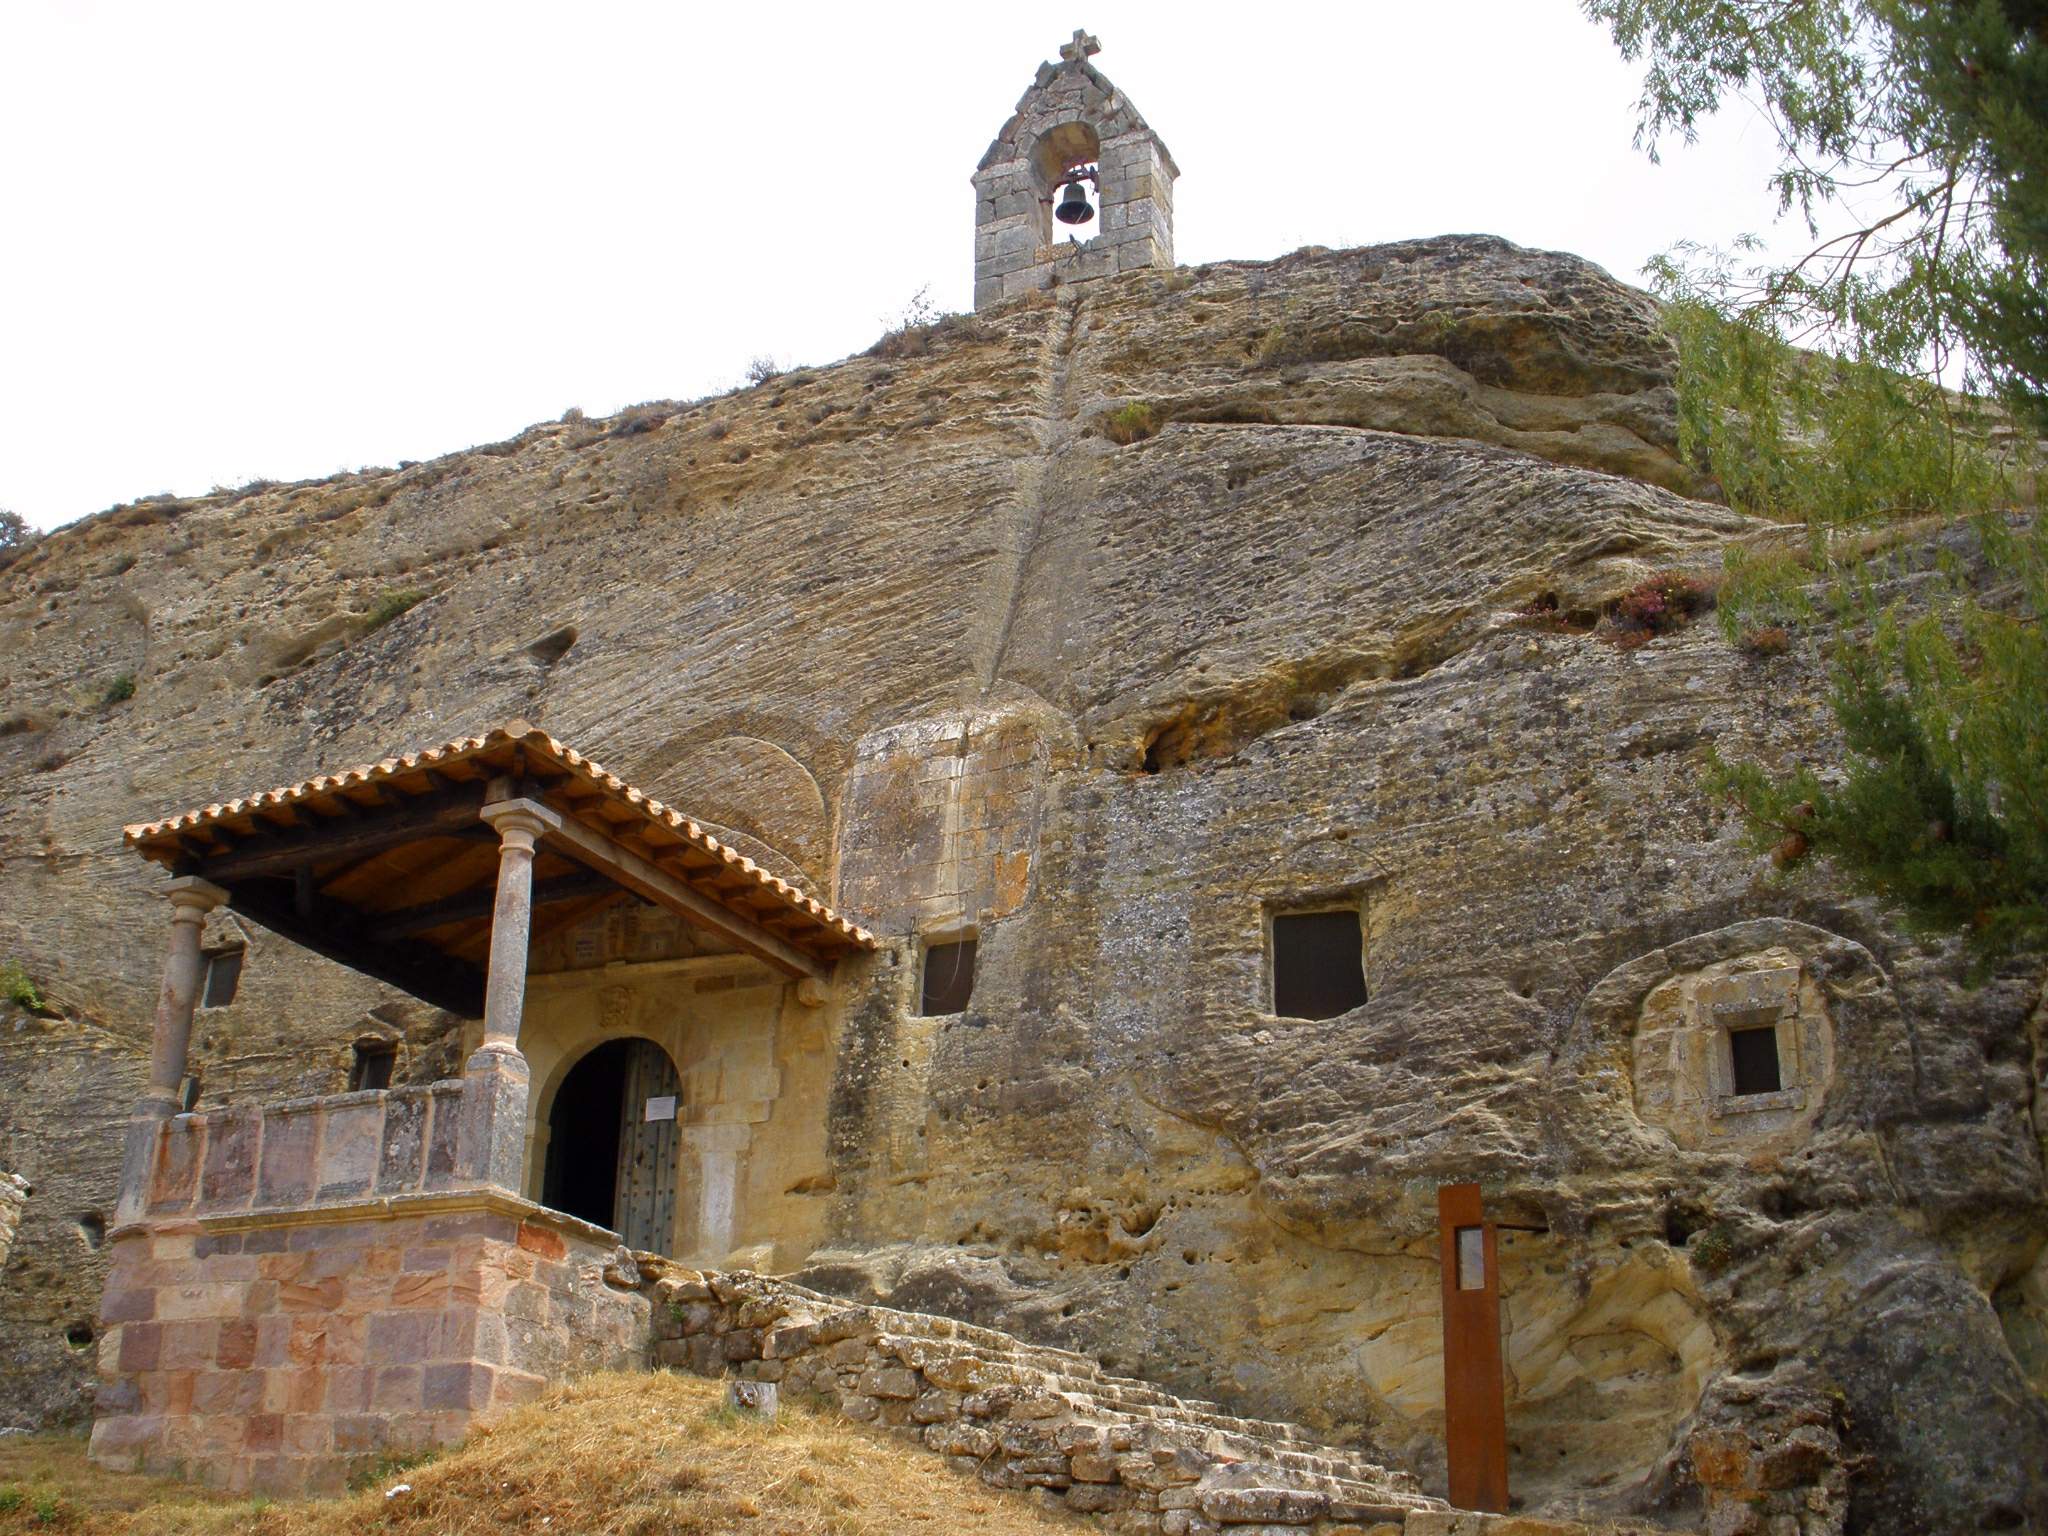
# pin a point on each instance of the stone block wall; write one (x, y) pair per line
(281, 1353)
(1071, 114)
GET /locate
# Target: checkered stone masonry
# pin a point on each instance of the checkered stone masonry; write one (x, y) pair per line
(278, 1357)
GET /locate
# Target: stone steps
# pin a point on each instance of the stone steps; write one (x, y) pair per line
(1027, 1415)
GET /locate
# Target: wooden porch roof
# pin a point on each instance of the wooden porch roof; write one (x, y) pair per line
(389, 869)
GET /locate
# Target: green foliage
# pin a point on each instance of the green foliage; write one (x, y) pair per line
(389, 606)
(1935, 113)
(15, 532)
(1920, 125)
(1941, 808)
(49, 1509)
(11, 1498)
(17, 988)
(1131, 423)
(119, 691)
(1796, 435)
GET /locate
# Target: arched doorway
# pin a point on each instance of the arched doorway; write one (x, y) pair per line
(612, 1143)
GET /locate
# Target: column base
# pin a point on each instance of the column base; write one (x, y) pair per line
(493, 1139)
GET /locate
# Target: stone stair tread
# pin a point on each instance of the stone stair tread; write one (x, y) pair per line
(1283, 1452)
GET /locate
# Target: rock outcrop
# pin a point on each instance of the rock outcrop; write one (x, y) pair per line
(1323, 637)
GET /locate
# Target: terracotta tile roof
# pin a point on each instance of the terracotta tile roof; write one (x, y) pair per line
(598, 798)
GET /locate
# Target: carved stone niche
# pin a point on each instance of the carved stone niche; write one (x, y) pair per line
(1739, 1052)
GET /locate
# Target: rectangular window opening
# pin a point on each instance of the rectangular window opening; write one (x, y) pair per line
(373, 1065)
(1755, 1056)
(1471, 1258)
(1318, 963)
(948, 977)
(223, 975)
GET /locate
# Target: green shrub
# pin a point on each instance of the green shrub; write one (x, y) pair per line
(119, 691)
(16, 987)
(11, 1499)
(389, 606)
(1133, 423)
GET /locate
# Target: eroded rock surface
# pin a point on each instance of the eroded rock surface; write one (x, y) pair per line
(1266, 658)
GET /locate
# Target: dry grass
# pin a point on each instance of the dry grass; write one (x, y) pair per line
(616, 1455)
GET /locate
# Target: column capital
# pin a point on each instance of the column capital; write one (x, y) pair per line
(519, 822)
(191, 895)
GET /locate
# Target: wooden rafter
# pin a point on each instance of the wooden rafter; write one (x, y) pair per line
(569, 835)
(453, 810)
(464, 905)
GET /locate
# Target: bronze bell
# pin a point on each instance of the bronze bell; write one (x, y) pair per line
(1073, 208)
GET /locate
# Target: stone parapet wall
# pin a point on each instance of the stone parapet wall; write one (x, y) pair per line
(305, 1154)
(280, 1354)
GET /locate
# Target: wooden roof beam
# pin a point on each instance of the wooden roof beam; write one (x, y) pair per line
(359, 835)
(479, 903)
(654, 884)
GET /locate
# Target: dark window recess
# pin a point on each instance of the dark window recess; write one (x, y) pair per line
(373, 1064)
(1755, 1052)
(189, 1091)
(223, 975)
(948, 977)
(1318, 963)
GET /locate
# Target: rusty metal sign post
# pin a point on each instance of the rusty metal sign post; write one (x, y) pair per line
(1475, 1391)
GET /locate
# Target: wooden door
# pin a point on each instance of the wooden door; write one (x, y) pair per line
(645, 1214)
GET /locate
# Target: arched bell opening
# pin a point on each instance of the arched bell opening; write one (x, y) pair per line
(1064, 170)
(613, 1143)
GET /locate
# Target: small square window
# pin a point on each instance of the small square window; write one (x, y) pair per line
(948, 977)
(373, 1065)
(223, 975)
(1318, 963)
(1754, 1053)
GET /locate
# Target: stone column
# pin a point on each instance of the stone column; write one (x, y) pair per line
(511, 923)
(170, 1038)
(495, 1091)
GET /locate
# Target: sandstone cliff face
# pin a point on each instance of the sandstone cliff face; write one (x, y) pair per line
(1263, 659)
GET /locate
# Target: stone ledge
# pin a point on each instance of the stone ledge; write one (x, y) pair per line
(375, 1208)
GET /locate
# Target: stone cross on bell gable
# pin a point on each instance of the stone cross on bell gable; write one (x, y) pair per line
(1081, 48)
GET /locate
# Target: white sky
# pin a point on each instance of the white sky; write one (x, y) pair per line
(282, 239)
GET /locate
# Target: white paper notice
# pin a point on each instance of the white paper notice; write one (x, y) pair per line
(663, 1108)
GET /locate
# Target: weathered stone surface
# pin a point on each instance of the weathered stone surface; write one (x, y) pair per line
(1461, 337)
(1265, 657)
(1263, 1506)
